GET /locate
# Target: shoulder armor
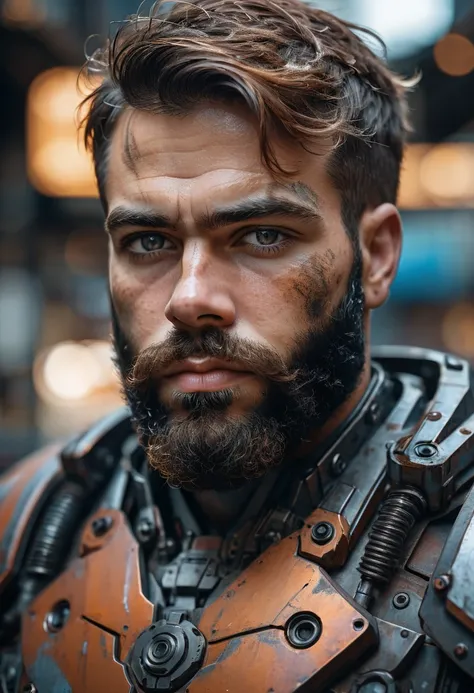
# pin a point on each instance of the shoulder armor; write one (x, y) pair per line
(447, 611)
(23, 491)
(437, 458)
(29, 487)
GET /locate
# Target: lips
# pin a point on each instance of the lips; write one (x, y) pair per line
(204, 375)
(202, 366)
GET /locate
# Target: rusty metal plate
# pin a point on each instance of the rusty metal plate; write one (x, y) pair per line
(245, 628)
(107, 612)
(460, 599)
(448, 632)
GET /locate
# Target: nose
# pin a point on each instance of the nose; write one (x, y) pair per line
(201, 297)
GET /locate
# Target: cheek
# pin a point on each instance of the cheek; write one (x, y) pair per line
(311, 287)
(138, 306)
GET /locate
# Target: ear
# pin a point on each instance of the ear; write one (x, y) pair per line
(381, 243)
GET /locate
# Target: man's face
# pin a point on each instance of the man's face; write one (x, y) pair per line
(237, 300)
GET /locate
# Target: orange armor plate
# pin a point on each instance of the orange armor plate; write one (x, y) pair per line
(107, 612)
(245, 628)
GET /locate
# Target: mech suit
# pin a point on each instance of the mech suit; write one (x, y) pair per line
(350, 572)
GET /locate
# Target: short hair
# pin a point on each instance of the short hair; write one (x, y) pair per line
(299, 70)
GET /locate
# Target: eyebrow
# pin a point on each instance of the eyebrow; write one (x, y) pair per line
(305, 208)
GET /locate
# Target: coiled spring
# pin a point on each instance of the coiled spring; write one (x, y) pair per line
(399, 512)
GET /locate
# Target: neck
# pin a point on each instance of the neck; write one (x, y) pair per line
(222, 508)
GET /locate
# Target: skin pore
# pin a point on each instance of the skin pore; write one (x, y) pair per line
(204, 241)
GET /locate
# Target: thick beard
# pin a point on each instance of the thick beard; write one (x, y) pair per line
(207, 448)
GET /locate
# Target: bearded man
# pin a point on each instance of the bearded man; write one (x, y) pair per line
(277, 508)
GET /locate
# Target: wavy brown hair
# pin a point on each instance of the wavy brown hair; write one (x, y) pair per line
(299, 70)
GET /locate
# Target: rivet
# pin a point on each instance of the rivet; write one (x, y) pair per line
(434, 416)
(322, 533)
(442, 582)
(461, 651)
(101, 525)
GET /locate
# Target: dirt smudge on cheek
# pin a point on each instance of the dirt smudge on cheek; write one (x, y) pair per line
(308, 284)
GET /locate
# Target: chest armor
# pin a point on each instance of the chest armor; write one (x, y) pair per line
(356, 577)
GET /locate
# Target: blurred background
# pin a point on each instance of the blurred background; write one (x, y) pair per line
(55, 371)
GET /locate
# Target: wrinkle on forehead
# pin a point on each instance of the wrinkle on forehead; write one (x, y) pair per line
(156, 159)
(130, 150)
(145, 136)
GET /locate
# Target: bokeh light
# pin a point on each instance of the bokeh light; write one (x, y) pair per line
(454, 55)
(58, 164)
(447, 173)
(71, 371)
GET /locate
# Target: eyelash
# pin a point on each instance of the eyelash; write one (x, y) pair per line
(126, 242)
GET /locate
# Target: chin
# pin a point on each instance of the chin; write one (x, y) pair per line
(194, 452)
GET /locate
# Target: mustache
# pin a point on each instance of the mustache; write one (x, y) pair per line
(150, 363)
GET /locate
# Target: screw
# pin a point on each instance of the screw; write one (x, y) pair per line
(57, 618)
(404, 633)
(54, 622)
(434, 416)
(372, 415)
(30, 688)
(101, 526)
(338, 465)
(322, 533)
(442, 582)
(145, 528)
(425, 450)
(461, 651)
(401, 600)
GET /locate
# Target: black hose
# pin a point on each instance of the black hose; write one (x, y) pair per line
(59, 523)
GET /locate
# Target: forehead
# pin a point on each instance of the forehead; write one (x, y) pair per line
(212, 152)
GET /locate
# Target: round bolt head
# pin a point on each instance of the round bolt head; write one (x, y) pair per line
(101, 525)
(145, 528)
(57, 618)
(442, 582)
(461, 650)
(401, 600)
(322, 533)
(425, 450)
(434, 416)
